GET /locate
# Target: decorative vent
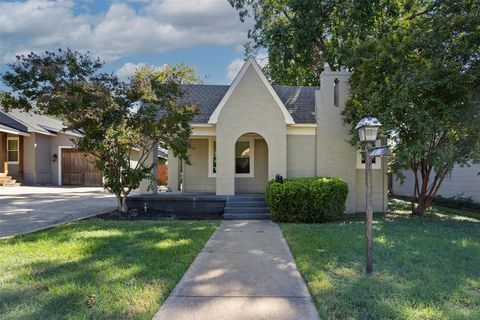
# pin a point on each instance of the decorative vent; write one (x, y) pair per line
(335, 92)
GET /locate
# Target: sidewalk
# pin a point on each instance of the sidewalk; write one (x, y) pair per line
(245, 271)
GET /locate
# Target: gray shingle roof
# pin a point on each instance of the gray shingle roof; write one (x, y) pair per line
(32, 122)
(299, 101)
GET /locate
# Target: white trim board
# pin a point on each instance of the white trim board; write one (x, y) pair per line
(250, 62)
(204, 131)
(301, 131)
(4, 129)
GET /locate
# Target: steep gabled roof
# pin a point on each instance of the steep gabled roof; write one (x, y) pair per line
(251, 62)
(299, 101)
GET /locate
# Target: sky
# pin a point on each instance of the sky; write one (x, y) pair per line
(205, 34)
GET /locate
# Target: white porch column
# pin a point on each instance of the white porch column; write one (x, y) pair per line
(173, 172)
(277, 156)
(225, 181)
(155, 168)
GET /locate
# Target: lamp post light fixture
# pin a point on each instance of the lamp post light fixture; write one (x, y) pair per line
(367, 131)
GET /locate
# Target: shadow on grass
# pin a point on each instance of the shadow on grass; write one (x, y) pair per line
(425, 268)
(97, 269)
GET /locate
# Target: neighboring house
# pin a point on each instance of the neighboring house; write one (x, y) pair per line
(246, 133)
(35, 150)
(464, 181)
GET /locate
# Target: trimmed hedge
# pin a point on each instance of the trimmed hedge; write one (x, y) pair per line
(307, 200)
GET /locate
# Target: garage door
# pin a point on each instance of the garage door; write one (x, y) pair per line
(79, 170)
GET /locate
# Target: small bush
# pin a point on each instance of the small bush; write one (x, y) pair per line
(458, 201)
(307, 200)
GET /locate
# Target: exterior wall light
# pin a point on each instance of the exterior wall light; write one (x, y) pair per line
(368, 129)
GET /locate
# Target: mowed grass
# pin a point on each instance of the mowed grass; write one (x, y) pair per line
(97, 269)
(425, 268)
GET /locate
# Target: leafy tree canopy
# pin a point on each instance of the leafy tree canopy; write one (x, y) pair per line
(303, 35)
(422, 80)
(122, 123)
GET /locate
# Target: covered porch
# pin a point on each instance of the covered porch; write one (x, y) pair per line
(198, 205)
(11, 156)
(242, 165)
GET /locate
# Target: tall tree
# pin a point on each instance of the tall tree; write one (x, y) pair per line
(303, 35)
(422, 80)
(121, 123)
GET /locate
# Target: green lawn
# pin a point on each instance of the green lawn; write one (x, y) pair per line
(425, 268)
(97, 269)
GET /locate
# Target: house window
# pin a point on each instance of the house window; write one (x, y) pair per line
(12, 150)
(374, 159)
(244, 149)
(335, 92)
(242, 157)
(212, 157)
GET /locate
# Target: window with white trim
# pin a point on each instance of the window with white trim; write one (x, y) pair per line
(13, 148)
(212, 157)
(376, 163)
(242, 157)
(244, 153)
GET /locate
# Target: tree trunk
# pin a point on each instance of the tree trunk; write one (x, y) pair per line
(121, 203)
(427, 193)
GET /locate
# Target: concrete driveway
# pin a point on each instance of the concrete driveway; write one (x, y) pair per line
(26, 209)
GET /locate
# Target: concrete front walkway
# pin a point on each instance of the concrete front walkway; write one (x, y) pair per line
(245, 271)
(26, 209)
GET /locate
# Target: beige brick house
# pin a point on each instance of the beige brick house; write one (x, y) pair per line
(246, 133)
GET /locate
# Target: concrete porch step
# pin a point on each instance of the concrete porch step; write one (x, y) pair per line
(9, 184)
(246, 207)
(246, 198)
(246, 204)
(246, 216)
(240, 210)
(8, 181)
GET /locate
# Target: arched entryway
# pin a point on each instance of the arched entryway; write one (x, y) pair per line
(251, 163)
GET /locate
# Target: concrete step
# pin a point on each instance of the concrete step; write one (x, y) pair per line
(246, 198)
(249, 216)
(9, 184)
(237, 210)
(246, 204)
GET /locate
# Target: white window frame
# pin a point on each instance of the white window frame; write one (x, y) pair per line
(18, 150)
(375, 166)
(251, 141)
(211, 174)
(251, 144)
